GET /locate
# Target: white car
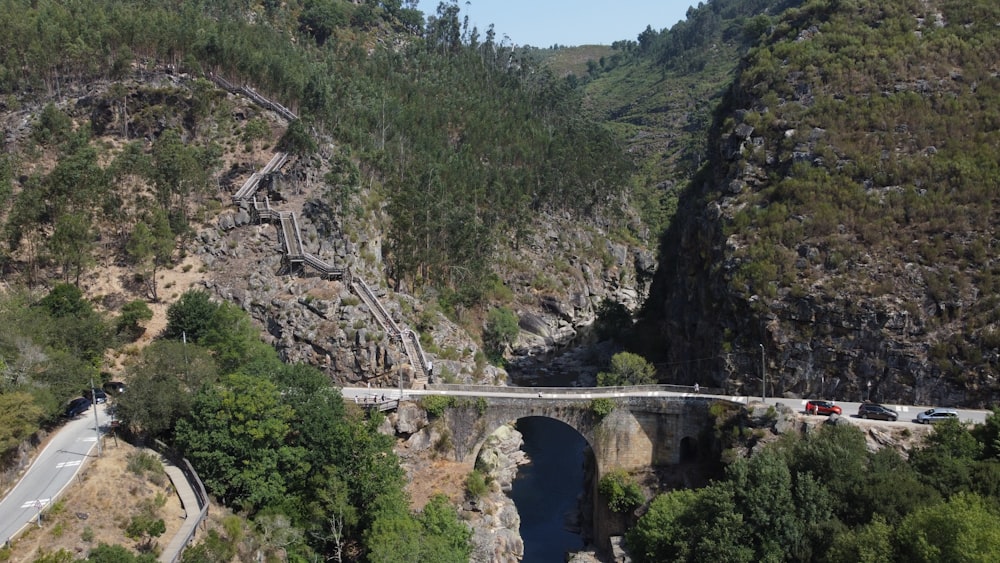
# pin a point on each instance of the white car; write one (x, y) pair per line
(937, 415)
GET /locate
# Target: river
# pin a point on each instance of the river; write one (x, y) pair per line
(546, 491)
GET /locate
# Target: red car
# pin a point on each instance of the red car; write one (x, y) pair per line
(822, 407)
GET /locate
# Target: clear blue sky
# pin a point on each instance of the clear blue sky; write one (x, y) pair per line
(543, 23)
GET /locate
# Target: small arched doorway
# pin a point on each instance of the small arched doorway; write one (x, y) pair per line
(689, 449)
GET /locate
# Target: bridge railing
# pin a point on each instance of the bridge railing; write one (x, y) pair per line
(629, 389)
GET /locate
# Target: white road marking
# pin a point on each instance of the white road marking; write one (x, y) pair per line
(35, 503)
(68, 464)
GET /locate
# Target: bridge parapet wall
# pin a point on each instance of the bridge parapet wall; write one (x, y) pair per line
(629, 390)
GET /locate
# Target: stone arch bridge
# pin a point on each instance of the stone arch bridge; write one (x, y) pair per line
(649, 426)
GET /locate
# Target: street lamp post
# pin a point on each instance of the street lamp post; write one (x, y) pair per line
(763, 376)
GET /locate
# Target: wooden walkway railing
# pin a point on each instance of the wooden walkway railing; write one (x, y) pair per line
(417, 358)
(406, 337)
(378, 311)
(326, 271)
(262, 211)
(253, 95)
(291, 240)
(248, 190)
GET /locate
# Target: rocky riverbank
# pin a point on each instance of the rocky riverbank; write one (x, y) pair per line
(492, 516)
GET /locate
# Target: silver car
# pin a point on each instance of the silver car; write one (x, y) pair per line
(937, 415)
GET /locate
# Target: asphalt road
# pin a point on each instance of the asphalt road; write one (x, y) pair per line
(907, 413)
(51, 472)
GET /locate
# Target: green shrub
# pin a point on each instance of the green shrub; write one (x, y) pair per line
(435, 405)
(500, 331)
(621, 491)
(627, 369)
(475, 484)
(602, 407)
(142, 462)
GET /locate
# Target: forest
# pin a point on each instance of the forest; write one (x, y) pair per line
(459, 135)
(461, 141)
(826, 496)
(274, 442)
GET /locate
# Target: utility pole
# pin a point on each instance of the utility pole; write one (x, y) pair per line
(97, 423)
(184, 339)
(763, 376)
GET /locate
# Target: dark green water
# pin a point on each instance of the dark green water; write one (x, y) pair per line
(546, 490)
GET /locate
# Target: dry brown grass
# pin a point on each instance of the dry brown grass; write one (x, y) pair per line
(98, 506)
(438, 477)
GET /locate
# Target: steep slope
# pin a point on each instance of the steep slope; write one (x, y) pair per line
(844, 229)
(427, 162)
(658, 94)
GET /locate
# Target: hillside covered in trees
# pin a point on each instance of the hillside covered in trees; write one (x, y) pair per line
(846, 217)
(118, 148)
(820, 175)
(458, 137)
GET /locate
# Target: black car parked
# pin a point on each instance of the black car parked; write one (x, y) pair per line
(876, 411)
(97, 395)
(76, 407)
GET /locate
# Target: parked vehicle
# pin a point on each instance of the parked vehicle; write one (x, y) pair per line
(97, 395)
(822, 407)
(76, 407)
(937, 415)
(114, 388)
(877, 411)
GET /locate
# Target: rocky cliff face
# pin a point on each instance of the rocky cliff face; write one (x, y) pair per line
(558, 279)
(493, 518)
(827, 239)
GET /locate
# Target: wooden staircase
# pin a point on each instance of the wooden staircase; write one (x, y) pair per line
(295, 256)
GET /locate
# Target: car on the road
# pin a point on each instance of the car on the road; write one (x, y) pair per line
(97, 395)
(76, 407)
(877, 411)
(822, 407)
(937, 415)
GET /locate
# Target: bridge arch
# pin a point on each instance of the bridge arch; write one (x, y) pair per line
(564, 416)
